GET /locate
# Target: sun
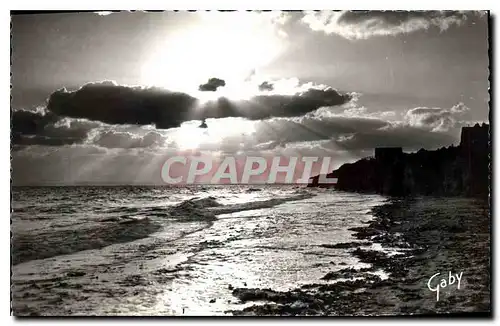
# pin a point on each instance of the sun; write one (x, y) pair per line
(230, 46)
(189, 136)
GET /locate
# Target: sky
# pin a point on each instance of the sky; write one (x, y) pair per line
(107, 98)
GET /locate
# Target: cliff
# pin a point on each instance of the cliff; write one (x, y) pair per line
(461, 170)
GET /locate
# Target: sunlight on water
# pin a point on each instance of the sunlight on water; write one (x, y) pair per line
(179, 260)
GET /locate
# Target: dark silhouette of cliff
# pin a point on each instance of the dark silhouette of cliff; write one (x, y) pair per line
(461, 170)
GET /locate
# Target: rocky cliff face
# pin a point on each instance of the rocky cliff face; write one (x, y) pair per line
(453, 171)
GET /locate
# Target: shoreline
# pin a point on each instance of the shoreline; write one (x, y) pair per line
(421, 236)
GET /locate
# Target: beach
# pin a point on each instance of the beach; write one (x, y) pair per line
(203, 251)
(423, 236)
(136, 251)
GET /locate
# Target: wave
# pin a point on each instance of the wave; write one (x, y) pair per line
(61, 242)
(124, 219)
(208, 208)
(110, 225)
(194, 209)
(258, 204)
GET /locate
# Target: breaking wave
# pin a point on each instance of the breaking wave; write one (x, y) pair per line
(208, 208)
(102, 221)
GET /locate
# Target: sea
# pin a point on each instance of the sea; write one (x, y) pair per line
(144, 250)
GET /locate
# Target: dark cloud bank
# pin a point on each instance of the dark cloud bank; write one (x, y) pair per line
(110, 103)
(114, 104)
(71, 115)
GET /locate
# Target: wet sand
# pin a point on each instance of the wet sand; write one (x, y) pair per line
(423, 236)
(208, 245)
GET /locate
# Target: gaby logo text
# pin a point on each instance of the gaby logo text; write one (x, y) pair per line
(245, 170)
(435, 283)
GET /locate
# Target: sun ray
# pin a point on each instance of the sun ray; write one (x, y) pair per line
(230, 47)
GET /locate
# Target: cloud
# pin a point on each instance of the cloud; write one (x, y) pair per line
(436, 119)
(44, 128)
(268, 106)
(357, 130)
(40, 127)
(353, 111)
(313, 128)
(27, 140)
(123, 139)
(31, 122)
(212, 85)
(355, 25)
(266, 86)
(115, 104)
(410, 138)
(312, 115)
(125, 153)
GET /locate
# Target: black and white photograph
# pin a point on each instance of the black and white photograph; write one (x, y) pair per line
(230, 163)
